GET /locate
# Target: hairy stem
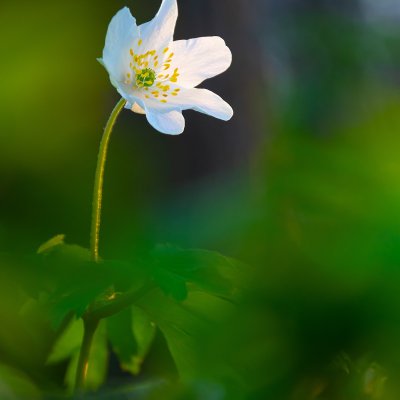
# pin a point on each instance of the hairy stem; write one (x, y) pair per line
(98, 181)
(90, 325)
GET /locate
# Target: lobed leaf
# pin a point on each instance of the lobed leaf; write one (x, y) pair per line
(173, 268)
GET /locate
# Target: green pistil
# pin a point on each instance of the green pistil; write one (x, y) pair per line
(145, 78)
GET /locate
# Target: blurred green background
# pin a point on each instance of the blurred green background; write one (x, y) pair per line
(302, 186)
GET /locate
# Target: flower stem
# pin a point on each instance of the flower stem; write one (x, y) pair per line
(98, 181)
(90, 327)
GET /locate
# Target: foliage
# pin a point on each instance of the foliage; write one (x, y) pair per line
(186, 294)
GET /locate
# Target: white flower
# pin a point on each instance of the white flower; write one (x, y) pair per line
(157, 76)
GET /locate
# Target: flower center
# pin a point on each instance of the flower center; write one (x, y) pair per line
(145, 78)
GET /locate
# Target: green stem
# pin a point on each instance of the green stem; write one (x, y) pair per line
(98, 181)
(90, 327)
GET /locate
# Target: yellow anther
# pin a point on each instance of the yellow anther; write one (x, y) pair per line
(140, 42)
(166, 66)
(165, 50)
(163, 101)
(131, 51)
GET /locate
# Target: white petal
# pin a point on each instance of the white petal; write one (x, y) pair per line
(137, 109)
(171, 123)
(158, 33)
(122, 33)
(201, 100)
(207, 102)
(200, 59)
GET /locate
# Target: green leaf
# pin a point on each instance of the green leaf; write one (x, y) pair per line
(73, 281)
(171, 283)
(123, 342)
(186, 325)
(54, 241)
(98, 362)
(77, 299)
(14, 385)
(173, 268)
(69, 252)
(68, 343)
(131, 334)
(144, 331)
